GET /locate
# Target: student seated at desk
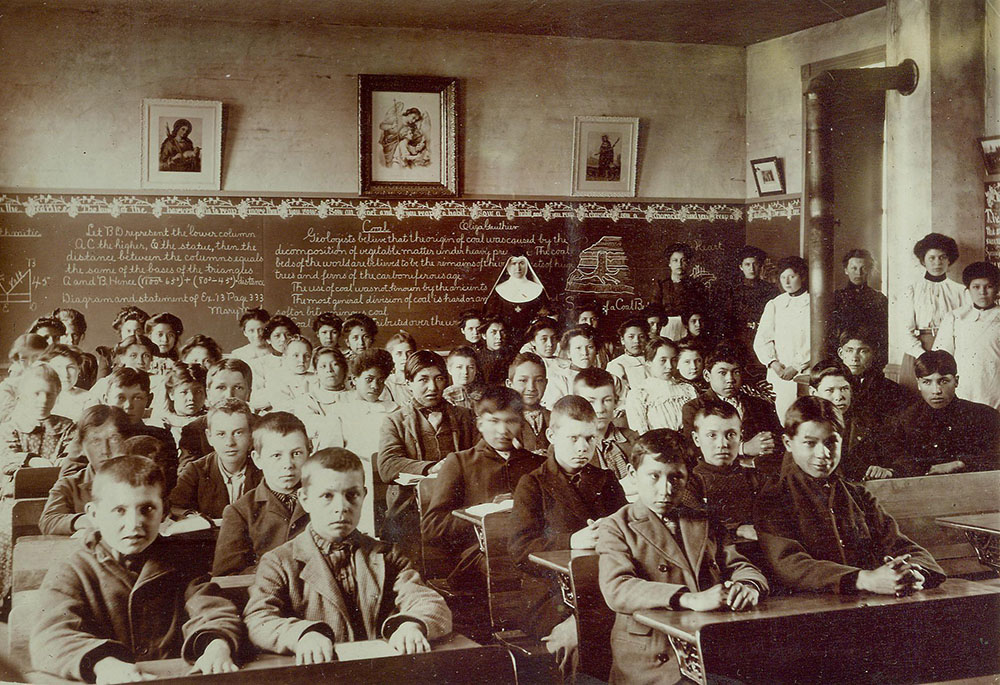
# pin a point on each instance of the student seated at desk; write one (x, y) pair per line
(32, 435)
(336, 584)
(123, 597)
(821, 533)
(101, 433)
(416, 437)
(557, 506)
(270, 514)
(729, 488)
(663, 551)
(489, 470)
(229, 378)
(225, 474)
(943, 433)
(527, 376)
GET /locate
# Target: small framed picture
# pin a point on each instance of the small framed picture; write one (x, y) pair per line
(408, 134)
(604, 156)
(768, 175)
(182, 144)
(991, 154)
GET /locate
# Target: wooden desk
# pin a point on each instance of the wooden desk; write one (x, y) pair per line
(450, 661)
(577, 573)
(950, 632)
(983, 531)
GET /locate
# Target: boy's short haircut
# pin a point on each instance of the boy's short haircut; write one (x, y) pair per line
(812, 408)
(584, 331)
(654, 345)
(724, 410)
(43, 371)
(230, 364)
(683, 248)
(571, 407)
(723, 354)
(796, 264)
(860, 333)
(133, 340)
(136, 471)
(468, 315)
(334, 458)
(280, 321)
(423, 359)
(401, 337)
(935, 361)
(497, 399)
(825, 368)
(633, 322)
(297, 338)
(858, 253)
(662, 445)
(26, 346)
(200, 340)
(254, 314)
(127, 314)
(936, 241)
(524, 358)
(985, 270)
(74, 316)
(176, 325)
(338, 357)
(230, 407)
(149, 447)
(594, 378)
(97, 415)
(328, 319)
(48, 322)
(62, 350)
(125, 377)
(280, 423)
(364, 321)
(542, 324)
(463, 352)
(748, 251)
(372, 358)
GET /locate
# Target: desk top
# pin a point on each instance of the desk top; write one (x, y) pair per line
(478, 512)
(346, 651)
(558, 560)
(980, 523)
(687, 624)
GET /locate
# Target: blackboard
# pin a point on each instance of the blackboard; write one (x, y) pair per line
(411, 265)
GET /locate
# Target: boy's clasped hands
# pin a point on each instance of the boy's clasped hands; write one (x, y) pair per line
(897, 576)
(735, 595)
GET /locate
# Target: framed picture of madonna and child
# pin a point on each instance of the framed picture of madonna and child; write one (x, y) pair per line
(181, 144)
(408, 136)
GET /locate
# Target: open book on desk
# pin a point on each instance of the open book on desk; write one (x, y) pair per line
(188, 524)
(413, 478)
(490, 507)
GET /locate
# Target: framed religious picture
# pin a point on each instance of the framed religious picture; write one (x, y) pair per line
(408, 136)
(767, 174)
(605, 156)
(181, 144)
(991, 154)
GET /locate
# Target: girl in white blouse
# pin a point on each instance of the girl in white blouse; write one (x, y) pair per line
(924, 304)
(782, 340)
(658, 400)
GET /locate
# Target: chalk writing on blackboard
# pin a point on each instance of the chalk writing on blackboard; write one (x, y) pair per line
(602, 269)
(993, 222)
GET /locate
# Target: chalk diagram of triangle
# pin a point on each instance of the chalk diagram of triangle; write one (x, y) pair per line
(602, 269)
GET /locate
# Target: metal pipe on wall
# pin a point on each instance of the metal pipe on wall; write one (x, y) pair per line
(820, 96)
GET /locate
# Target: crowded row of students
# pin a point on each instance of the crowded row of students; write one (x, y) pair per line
(567, 422)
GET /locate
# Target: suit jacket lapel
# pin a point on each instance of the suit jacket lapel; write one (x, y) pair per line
(561, 491)
(412, 424)
(369, 568)
(317, 575)
(656, 534)
(215, 485)
(694, 532)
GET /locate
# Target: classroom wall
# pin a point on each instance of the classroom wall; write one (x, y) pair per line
(774, 87)
(992, 42)
(73, 82)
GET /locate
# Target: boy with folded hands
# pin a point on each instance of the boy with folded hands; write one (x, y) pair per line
(335, 584)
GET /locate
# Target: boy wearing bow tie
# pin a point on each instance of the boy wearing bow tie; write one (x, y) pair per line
(335, 584)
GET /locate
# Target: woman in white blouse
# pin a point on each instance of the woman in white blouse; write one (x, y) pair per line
(782, 340)
(924, 304)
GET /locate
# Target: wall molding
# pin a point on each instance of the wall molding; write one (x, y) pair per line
(783, 209)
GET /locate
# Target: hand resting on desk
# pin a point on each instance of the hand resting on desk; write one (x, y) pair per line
(111, 670)
(217, 658)
(895, 577)
(314, 648)
(736, 596)
(409, 638)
